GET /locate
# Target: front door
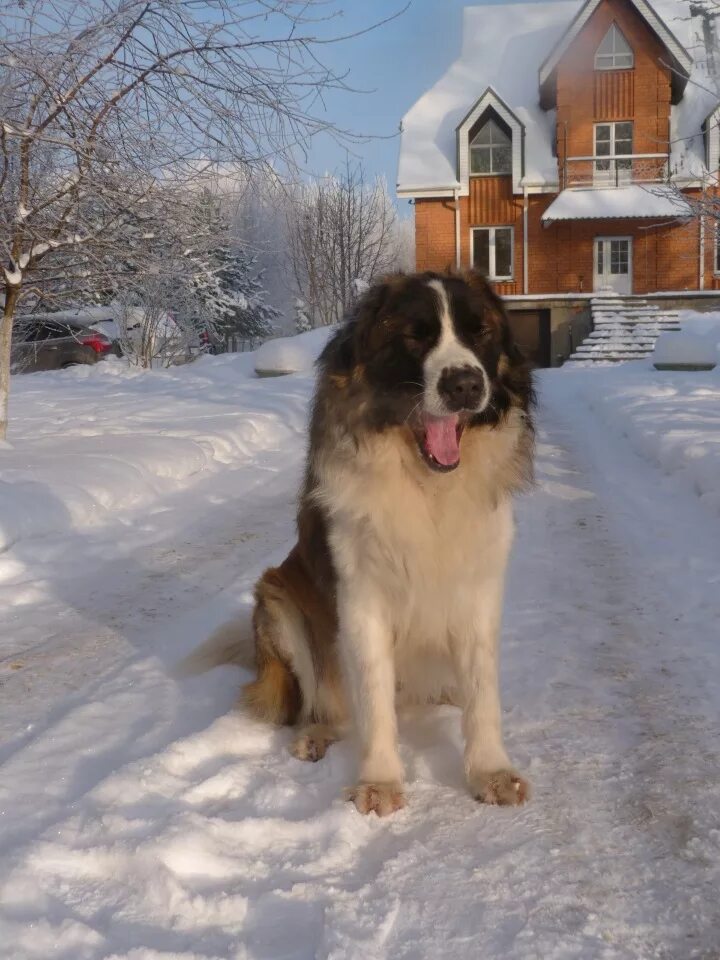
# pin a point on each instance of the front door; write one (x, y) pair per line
(613, 264)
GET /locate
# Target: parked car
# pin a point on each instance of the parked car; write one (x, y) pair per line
(47, 344)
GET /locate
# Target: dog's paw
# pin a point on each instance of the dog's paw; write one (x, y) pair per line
(380, 798)
(503, 787)
(312, 743)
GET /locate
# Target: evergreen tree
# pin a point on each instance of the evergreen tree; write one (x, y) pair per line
(248, 314)
(303, 323)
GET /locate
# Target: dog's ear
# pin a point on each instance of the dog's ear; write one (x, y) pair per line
(477, 280)
(369, 313)
(494, 314)
(359, 332)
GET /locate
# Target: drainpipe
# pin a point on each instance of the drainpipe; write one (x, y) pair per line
(456, 198)
(701, 284)
(525, 241)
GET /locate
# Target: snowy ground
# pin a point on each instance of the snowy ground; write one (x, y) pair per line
(142, 818)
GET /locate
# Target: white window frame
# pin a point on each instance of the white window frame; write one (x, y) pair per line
(614, 31)
(490, 147)
(613, 172)
(716, 251)
(491, 275)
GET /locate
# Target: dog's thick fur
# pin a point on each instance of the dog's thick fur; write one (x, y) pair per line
(395, 586)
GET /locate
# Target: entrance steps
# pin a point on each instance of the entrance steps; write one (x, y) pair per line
(624, 328)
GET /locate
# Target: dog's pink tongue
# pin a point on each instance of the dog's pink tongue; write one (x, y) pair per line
(441, 439)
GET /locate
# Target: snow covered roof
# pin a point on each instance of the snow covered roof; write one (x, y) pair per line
(503, 48)
(633, 200)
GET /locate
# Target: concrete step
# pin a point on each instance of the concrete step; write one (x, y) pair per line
(617, 298)
(620, 324)
(621, 342)
(606, 358)
(602, 348)
(643, 333)
(620, 305)
(625, 313)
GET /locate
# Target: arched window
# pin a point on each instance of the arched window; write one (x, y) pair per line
(491, 149)
(614, 53)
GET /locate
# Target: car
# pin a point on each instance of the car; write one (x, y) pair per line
(42, 343)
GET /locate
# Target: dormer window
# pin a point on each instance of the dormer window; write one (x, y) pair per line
(490, 149)
(614, 53)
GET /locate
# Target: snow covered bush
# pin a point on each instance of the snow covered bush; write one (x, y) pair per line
(291, 354)
(685, 351)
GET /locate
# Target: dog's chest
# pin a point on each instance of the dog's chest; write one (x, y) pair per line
(426, 541)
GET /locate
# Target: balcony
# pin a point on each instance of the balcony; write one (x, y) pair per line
(615, 170)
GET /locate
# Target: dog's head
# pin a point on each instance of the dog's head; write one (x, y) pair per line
(435, 353)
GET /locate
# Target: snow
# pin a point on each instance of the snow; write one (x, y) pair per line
(497, 55)
(13, 277)
(143, 818)
(684, 349)
(706, 324)
(699, 341)
(291, 354)
(633, 200)
(503, 47)
(671, 418)
(92, 465)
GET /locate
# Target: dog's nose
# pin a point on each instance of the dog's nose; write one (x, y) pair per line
(462, 388)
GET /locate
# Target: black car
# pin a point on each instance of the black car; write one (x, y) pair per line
(47, 344)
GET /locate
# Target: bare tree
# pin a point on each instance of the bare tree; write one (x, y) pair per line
(101, 103)
(341, 230)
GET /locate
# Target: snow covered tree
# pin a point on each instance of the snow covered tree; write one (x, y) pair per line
(248, 315)
(101, 103)
(225, 276)
(303, 323)
(341, 229)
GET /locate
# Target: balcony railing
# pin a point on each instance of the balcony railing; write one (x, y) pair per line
(616, 170)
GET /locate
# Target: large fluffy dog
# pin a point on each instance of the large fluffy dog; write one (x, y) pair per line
(420, 434)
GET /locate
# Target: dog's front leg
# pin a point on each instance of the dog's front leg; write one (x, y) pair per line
(489, 772)
(366, 647)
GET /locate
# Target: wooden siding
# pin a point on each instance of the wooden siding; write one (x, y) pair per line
(492, 202)
(614, 95)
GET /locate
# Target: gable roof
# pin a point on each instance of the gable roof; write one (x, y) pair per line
(503, 48)
(683, 60)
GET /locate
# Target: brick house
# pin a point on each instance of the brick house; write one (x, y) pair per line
(558, 153)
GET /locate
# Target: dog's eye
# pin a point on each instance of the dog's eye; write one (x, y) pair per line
(479, 331)
(420, 330)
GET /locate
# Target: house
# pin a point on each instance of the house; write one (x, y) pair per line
(564, 154)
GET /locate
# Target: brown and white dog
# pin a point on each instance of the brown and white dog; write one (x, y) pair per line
(420, 433)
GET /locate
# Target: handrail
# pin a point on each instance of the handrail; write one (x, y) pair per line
(623, 156)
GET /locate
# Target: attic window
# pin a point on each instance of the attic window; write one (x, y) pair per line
(490, 149)
(614, 53)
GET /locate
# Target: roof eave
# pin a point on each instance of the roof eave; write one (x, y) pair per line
(427, 192)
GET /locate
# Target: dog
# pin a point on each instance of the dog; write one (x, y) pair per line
(421, 431)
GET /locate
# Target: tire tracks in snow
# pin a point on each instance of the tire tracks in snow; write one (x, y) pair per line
(658, 676)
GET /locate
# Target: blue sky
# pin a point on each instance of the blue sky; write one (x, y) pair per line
(396, 63)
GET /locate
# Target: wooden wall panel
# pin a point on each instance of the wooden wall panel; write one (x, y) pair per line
(614, 94)
(492, 202)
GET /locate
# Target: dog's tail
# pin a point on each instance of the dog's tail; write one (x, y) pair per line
(231, 643)
(247, 642)
(280, 634)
